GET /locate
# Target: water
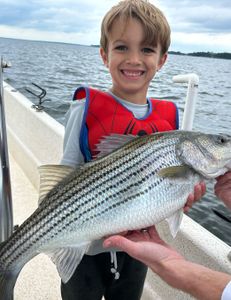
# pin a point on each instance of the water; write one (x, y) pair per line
(61, 68)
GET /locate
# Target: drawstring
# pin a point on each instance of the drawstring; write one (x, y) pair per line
(114, 265)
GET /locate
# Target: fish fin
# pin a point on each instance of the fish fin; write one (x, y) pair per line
(174, 171)
(50, 176)
(8, 279)
(7, 283)
(67, 260)
(111, 143)
(174, 222)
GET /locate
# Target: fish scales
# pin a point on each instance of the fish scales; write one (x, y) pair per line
(121, 191)
(110, 183)
(63, 208)
(87, 178)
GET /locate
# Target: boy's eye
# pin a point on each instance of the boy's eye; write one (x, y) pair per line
(148, 50)
(121, 48)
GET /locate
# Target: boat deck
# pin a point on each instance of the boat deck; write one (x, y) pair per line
(39, 279)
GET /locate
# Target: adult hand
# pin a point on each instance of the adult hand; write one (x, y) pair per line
(222, 188)
(199, 191)
(146, 246)
(194, 279)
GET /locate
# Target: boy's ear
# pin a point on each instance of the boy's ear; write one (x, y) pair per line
(162, 60)
(104, 56)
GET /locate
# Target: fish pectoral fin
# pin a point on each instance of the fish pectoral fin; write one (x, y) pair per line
(50, 176)
(174, 171)
(67, 260)
(174, 222)
(112, 142)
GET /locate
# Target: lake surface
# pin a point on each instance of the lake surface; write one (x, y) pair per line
(61, 68)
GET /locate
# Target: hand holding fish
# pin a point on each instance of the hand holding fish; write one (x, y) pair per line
(199, 191)
(222, 188)
(147, 246)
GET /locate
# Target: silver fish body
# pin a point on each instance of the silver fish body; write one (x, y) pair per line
(141, 183)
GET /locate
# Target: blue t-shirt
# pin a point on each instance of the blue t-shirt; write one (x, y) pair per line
(226, 295)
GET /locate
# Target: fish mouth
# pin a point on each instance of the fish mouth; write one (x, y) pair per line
(228, 165)
(215, 174)
(218, 172)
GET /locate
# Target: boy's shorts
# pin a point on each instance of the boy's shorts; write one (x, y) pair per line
(93, 279)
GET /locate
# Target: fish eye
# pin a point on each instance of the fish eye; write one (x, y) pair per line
(221, 139)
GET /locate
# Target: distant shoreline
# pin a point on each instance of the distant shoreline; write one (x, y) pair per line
(222, 55)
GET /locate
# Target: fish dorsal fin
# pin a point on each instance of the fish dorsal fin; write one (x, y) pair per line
(50, 176)
(174, 222)
(67, 260)
(174, 171)
(112, 142)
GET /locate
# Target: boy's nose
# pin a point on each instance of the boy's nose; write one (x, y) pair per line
(133, 58)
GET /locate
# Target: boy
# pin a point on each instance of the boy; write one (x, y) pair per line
(135, 37)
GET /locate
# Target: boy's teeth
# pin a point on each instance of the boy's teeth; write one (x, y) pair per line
(132, 73)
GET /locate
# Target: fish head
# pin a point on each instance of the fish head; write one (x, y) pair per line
(208, 154)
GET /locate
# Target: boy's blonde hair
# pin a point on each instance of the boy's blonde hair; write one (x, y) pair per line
(156, 27)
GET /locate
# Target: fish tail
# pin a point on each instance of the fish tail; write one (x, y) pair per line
(7, 283)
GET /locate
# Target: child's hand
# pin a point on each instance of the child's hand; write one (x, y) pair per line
(222, 188)
(199, 191)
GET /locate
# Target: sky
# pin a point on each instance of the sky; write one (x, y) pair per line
(197, 25)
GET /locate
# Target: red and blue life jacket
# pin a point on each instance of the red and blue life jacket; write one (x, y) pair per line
(104, 115)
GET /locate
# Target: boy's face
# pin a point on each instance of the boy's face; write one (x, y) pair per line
(132, 63)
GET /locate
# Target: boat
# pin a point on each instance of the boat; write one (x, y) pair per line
(34, 138)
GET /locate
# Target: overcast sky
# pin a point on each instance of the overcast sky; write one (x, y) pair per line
(197, 25)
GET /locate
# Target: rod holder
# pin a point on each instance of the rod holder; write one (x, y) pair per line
(190, 103)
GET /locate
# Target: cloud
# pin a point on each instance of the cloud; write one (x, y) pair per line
(53, 36)
(63, 21)
(192, 42)
(198, 16)
(199, 25)
(49, 15)
(203, 19)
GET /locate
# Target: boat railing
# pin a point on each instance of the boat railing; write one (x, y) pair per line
(6, 214)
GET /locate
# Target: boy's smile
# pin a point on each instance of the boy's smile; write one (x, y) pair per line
(132, 63)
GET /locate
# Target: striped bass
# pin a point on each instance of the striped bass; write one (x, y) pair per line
(143, 181)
